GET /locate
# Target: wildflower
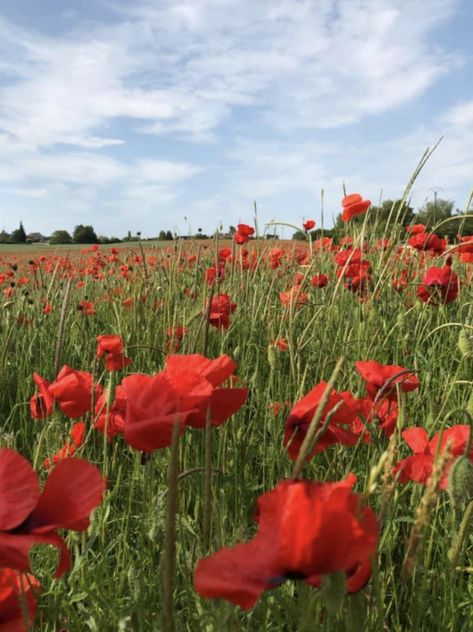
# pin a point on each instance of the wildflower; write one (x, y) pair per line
(29, 516)
(418, 468)
(309, 224)
(385, 377)
(243, 233)
(301, 415)
(353, 205)
(111, 347)
(440, 285)
(319, 280)
(220, 309)
(305, 530)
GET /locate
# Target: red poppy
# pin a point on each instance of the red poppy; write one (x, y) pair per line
(439, 286)
(73, 390)
(29, 517)
(418, 468)
(111, 347)
(281, 344)
(17, 600)
(309, 224)
(220, 309)
(197, 382)
(377, 376)
(428, 241)
(153, 407)
(42, 403)
(302, 413)
(76, 441)
(243, 233)
(319, 280)
(305, 530)
(353, 205)
(416, 229)
(112, 421)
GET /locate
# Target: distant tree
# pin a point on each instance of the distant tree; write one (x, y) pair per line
(435, 211)
(232, 230)
(18, 236)
(84, 235)
(60, 237)
(169, 236)
(4, 237)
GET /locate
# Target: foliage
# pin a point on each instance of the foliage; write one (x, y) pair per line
(60, 237)
(84, 235)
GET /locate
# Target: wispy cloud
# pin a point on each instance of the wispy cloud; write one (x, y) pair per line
(246, 97)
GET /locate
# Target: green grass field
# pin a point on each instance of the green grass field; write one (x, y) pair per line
(124, 573)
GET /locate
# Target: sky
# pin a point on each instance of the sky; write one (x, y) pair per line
(179, 114)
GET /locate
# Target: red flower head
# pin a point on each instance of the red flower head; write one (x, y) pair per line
(440, 285)
(243, 234)
(73, 390)
(309, 224)
(42, 403)
(353, 205)
(29, 516)
(418, 468)
(428, 241)
(301, 415)
(112, 423)
(385, 376)
(111, 347)
(220, 309)
(305, 530)
(153, 407)
(319, 280)
(197, 382)
(17, 590)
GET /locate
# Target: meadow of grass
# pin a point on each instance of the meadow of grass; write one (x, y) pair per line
(123, 566)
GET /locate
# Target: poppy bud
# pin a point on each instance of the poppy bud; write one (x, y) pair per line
(272, 357)
(465, 343)
(460, 482)
(236, 352)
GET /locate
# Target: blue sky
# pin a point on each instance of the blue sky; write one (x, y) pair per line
(137, 115)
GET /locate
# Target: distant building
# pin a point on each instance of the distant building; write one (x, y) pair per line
(36, 237)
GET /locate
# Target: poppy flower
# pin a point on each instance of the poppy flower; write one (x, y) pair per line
(112, 421)
(220, 309)
(73, 391)
(17, 600)
(416, 229)
(418, 468)
(29, 516)
(383, 413)
(76, 441)
(301, 415)
(243, 233)
(152, 409)
(197, 382)
(439, 286)
(353, 205)
(319, 280)
(281, 344)
(42, 403)
(305, 530)
(309, 224)
(111, 347)
(377, 376)
(428, 241)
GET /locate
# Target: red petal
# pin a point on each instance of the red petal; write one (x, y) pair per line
(73, 489)
(19, 489)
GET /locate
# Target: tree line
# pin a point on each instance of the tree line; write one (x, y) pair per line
(438, 214)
